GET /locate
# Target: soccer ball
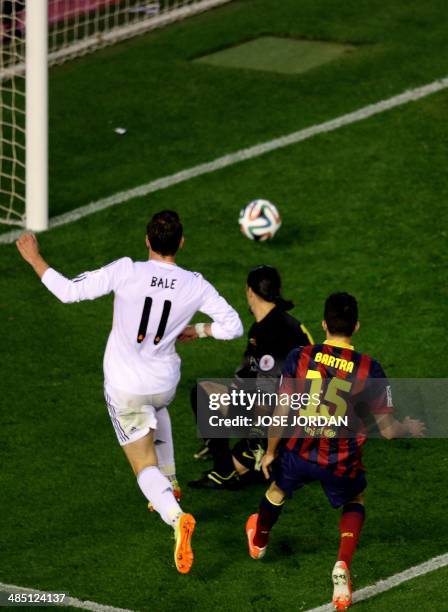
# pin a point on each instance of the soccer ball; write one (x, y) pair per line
(260, 220)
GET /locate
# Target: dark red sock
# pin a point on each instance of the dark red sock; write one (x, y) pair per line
(267, 517)
(350, 527)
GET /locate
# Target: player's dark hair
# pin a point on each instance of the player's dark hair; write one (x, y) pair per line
(165, 232)
(265, 281)
(341, 314)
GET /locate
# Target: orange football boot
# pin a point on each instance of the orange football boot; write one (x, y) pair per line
(183, 554)
(251, 527)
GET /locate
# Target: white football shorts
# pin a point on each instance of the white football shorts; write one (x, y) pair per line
(133, 416)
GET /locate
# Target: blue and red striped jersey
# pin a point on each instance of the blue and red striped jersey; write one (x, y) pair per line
(349, 384)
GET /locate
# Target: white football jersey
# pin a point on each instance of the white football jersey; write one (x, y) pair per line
(154, 301)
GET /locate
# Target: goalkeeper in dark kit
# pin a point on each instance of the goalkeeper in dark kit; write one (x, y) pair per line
(271, 337)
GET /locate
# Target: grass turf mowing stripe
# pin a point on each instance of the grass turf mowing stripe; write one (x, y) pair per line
(389, 583)
(72, 602)
(410, 95)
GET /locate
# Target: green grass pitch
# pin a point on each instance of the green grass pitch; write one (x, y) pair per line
(364, 210)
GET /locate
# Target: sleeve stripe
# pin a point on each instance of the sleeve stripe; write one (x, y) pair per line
(307, 333)
(78, 280)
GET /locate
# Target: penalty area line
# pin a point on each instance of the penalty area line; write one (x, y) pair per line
(72, 602)
(389, 583)
(410, 95)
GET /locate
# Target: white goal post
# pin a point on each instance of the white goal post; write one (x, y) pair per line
(36, 116)
(36, 34)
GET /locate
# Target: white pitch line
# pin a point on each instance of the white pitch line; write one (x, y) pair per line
(410, 95)
(362, 594)
(389, 583)
(68, 601)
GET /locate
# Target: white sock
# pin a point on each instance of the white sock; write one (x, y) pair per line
(163, 441)
(158, 490)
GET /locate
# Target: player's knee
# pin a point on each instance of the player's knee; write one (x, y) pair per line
(141, 453)
(275, 495)
(239, 467)
(139, 465)
(359, 499)
(243, 459)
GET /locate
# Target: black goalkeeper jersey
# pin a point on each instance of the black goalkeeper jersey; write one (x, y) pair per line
(269, 342)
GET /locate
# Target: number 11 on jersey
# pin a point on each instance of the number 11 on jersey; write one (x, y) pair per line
(143, 327)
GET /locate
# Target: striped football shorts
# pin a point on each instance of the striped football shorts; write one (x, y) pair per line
(133, 416)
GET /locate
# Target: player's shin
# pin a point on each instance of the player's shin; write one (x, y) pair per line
(350, 527)
(159, 492)
(163, 441)
(165, 450)
(268, 515)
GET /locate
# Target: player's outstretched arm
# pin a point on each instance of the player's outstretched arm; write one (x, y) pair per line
(226, 323)
(391, 428)
(86, 286)
(28, 247)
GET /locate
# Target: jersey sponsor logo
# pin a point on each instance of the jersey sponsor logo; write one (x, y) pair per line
(322, 432)
(267, 362)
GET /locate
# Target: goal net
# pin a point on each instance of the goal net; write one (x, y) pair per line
(35, 34)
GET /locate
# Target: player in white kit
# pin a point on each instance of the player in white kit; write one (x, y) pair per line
(154, 302)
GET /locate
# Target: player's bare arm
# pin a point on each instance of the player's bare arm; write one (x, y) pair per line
(275, 436)
(267, 460)
(28, 247)
(391, 428)
(193, 332)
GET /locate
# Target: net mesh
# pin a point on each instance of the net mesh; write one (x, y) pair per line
(76, 27)
(12, 114)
